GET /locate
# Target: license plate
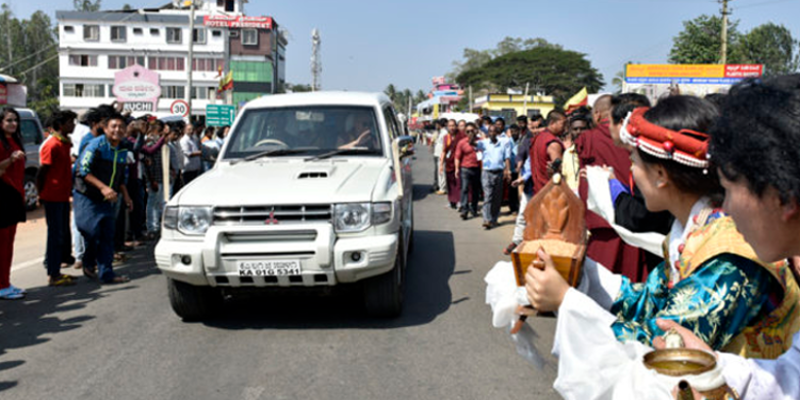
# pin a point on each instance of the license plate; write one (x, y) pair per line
(269, 268)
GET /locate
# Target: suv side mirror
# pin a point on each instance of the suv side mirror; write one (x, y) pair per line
(406, 146)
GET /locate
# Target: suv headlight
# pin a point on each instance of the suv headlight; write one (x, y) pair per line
(353, 217)
(188, 220)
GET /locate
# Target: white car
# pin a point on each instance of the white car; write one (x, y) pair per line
(310, 190)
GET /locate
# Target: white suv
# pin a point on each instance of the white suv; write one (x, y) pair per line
(310, 190)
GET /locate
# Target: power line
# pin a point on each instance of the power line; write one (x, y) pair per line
(39, 65)
(27, 57)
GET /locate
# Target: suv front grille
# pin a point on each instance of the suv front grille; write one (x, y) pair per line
(271, 215)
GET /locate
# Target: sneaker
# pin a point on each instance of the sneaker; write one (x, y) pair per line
(10, 294)
(18, 290)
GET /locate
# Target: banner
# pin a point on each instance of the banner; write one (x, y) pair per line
(707, 74)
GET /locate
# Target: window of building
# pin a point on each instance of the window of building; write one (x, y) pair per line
(227, 4)
(91, 33)
(122, 62)
(69, 29)
(216, 33)
(155, 31)
(206, 64)
(138, 31)
(173, 92)
(82, 60)
(119, 34)
(84, 90)
(174, 35)
(199, 36)
(166, 63)
(204, 92)
(249, 37)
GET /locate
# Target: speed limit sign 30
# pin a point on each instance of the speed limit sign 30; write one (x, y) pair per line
(179, 107)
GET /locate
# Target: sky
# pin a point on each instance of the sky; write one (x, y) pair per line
(368, 44)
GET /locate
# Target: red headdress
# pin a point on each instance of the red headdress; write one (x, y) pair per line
(685, 146)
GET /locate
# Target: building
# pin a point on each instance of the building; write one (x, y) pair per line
(442, 98)
(509, 106)
(93, 46)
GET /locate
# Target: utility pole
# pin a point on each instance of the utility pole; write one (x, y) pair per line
(725, 13)
(525, 100)
(316, 61)
(190, 61)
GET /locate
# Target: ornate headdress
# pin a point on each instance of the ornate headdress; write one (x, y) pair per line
(686, 146)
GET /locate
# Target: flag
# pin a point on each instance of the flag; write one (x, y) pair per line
(580, 99)
(226, 83)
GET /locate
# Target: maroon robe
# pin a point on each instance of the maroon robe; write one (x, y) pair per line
(596, 148)
(453, 183)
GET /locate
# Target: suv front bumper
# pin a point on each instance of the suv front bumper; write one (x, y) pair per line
(325, 259)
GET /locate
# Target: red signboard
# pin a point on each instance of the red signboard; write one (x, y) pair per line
(224, 21)
(743, 70)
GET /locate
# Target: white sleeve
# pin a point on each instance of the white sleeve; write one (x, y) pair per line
(592, 364)
(764, 379)
(600, 284)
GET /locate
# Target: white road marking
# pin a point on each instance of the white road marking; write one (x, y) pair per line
(27, 264)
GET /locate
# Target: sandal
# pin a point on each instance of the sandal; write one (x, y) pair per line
(63, 280)
(118, 279)
(89, 273)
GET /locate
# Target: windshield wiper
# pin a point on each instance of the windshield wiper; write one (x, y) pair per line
(352, 150)
(273, 152)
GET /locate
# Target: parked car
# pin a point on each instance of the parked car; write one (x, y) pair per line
(311, 190)
(32, 139)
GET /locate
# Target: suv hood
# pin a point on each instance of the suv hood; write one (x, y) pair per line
(285, 181)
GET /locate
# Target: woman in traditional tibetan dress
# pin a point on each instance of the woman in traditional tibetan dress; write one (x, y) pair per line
(711, 283)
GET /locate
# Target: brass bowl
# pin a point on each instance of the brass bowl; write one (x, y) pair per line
(679, 362)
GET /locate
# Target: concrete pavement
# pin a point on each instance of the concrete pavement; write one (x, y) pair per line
(124, 342)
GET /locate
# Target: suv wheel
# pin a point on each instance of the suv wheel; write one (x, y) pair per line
(383, 294)
(193, 303)
(31, 193)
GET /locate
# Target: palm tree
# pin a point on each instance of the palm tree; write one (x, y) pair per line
(390, 91)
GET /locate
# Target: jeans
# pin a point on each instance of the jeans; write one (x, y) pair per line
(78, 246)
(519, 228)
(470, 184)
(59, 242)
(95, 220)
(492, 195)
(155, 208)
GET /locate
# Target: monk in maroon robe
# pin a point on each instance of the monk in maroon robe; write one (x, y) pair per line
(448, 159)
(596, 148)
(546, 148)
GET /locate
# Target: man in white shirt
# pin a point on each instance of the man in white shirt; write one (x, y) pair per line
(191, 154)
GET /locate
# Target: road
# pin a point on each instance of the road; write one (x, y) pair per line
(124, 342)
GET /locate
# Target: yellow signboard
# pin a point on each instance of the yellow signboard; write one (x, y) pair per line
(675, 71)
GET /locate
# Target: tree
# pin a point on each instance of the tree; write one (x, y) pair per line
(771, 45)
(297, 87)
(473, 59)
(127, 7)
(86, 5)
(561, 73)
(390, 91)
(700, 42)
(419, 97)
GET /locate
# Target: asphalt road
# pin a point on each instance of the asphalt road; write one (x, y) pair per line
(124, 342)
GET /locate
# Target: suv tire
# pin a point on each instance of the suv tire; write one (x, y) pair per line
(383, 294)
(193, 303)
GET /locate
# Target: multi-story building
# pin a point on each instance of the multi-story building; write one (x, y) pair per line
(93, 46)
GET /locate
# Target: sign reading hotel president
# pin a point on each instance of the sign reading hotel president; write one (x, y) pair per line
(138, 88)
(224, 21)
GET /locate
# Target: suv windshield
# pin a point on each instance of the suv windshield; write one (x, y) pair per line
(311, 130)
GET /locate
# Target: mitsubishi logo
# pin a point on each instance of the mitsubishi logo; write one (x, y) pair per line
(271, 220)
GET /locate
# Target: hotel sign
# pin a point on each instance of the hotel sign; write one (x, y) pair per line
(224, 21)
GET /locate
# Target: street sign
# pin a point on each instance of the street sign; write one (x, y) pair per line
(220, 115)
(179, 107)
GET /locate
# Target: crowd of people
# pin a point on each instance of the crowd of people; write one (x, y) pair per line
(717, 180)
(111, 166)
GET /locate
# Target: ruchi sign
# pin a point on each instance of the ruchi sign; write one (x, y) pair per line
(224, 21)
(138, 88)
